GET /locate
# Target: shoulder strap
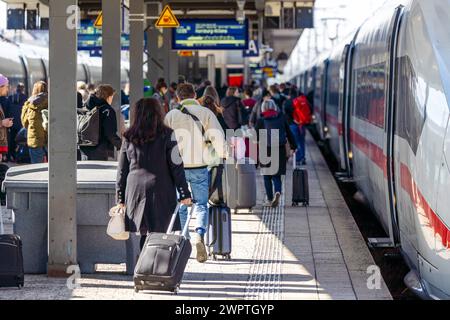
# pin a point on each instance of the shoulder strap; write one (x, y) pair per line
(194, 117)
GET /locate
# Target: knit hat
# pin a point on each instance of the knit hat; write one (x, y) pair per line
(3, 80)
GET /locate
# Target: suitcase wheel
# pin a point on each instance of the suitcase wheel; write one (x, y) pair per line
(228, 257)
(136, 289)
(214, 257)
(176, 290)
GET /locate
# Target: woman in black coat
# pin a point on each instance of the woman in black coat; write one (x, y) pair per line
(275, 124)
(150, 172)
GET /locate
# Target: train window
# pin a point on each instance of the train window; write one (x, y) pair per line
(370, 94)
(410, 111)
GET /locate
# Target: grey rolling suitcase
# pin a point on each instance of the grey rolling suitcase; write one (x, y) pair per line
(300, 186)
(163, 259)
(239, 182)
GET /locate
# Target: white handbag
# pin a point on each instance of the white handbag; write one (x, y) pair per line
(116, 225)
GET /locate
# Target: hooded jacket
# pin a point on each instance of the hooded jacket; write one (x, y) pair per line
(232, 112)
(32, 120)
(108, 130)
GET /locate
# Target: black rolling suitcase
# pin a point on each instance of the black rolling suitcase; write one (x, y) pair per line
(163, 259)
(300, 186)
(11, 259)
(218, 237)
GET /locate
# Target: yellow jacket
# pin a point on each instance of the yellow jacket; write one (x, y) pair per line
(32, 120)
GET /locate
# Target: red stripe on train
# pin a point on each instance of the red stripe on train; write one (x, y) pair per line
(376, 155)
(370, 149)
(422, 206)
(334, 121)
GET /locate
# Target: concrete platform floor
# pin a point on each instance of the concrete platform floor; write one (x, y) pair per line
(313, 253)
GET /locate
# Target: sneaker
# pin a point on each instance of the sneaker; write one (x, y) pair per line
(276, 200)
(202, 255)
(268, 203)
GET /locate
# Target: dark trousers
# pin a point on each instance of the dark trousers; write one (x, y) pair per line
(271, 183)
(12, 146)
(142, 242)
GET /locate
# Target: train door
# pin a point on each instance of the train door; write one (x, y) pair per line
(345, 104)
(344, 110)
(390, 185)
(323, 110)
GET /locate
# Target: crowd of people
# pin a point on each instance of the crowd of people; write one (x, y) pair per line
(178, 135)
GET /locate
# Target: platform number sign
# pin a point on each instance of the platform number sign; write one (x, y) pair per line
(253, 49)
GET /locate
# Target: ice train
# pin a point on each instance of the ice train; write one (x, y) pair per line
(382, 101)
(28, 64)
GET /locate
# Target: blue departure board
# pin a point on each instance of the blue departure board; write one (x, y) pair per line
(210, 34)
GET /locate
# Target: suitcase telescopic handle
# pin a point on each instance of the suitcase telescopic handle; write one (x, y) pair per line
(174, 218)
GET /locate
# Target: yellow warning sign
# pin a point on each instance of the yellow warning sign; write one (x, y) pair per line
(99, 21)
(167, 19)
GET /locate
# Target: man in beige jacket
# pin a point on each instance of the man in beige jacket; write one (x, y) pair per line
(194, 126)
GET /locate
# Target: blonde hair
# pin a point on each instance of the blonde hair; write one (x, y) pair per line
(39, 87)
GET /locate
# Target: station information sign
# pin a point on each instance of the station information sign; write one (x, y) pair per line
(210, 34)
(90, 37)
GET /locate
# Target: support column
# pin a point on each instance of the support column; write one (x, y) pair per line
(111, 49)
(212, 69)
(154, 67)
(260, 28)
(62, 184)
(166, 53)
(196, 72)
(246, 72)
(174, 66)
(136, 53)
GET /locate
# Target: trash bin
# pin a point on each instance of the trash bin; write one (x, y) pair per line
(26, 195)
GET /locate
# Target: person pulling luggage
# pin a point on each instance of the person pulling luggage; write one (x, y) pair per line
(148, 178)
(274, 122)
(196, 129)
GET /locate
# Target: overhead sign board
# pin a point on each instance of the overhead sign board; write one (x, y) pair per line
(90, 37)
(210, 34)
(167, 19)
(252, 51)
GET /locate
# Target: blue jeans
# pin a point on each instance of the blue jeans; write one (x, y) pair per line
(37, 155)
(268, 180)
(198, 180)
(299, 133)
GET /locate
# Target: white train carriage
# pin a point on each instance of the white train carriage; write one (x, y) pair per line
(28, 64)
(385, 111)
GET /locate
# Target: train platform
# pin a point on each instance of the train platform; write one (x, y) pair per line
(290, 253)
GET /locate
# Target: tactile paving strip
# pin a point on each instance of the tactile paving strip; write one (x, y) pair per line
(264, 281)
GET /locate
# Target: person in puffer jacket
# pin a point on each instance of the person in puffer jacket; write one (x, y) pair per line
(108, 140)
(278, 134)
(32, 120)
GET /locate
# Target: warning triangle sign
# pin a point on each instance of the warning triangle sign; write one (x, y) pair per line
(99, 21)
(167, 19)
